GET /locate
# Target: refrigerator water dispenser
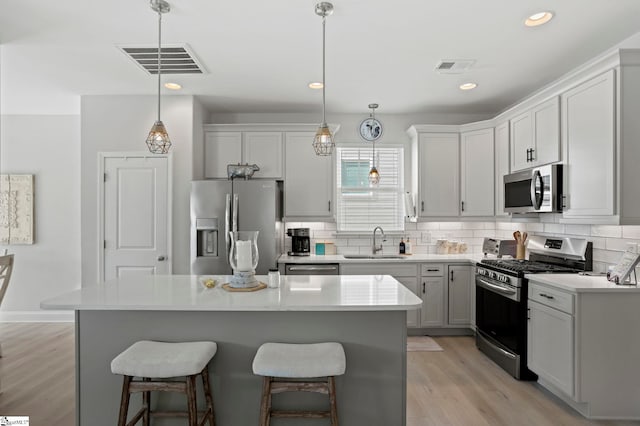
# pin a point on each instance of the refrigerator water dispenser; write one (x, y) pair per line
(207, 235)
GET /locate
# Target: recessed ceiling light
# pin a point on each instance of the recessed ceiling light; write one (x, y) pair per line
(538, 19)
(316, 85)
(173, 86)
(468, 86)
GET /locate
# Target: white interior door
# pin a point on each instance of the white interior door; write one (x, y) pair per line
(136, 216)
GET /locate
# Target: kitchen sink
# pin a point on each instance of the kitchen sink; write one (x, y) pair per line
(373, 256)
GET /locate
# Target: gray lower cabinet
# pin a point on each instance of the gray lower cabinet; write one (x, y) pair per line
(433, 294)
(446, 290)
(405, 273)
(459, 289)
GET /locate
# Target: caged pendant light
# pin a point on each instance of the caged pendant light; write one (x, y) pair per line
(374, 176)
(158, 140)
(323, 141)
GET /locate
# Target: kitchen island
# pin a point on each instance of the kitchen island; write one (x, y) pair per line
(366, 314)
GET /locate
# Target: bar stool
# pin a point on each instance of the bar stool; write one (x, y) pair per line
(154, 361)
(278, 362)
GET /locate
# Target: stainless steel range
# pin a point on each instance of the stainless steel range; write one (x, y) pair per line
(501, 297)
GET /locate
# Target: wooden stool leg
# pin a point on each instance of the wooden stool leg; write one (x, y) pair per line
(332, 401)
(208, 396)
(191, 401)
(124, 402)
(146, 403)
(265, 407)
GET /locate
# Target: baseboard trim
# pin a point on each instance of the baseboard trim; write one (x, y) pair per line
(37, 316)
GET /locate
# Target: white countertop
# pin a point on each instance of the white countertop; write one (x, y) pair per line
(581, 283)
(296, 293)
(411, 258)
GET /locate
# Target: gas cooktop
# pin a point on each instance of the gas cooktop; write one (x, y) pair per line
(526, 266)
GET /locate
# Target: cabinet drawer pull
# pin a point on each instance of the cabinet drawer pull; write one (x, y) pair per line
(547, 296)
(424, 290)
(433, 270)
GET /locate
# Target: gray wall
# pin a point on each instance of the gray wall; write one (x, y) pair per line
(47, 146)
(121, 123)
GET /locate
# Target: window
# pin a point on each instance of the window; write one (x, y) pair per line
(361, 207)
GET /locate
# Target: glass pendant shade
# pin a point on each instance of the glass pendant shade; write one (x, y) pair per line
(243, 255)
(323, 141)
(374, 176)
(158, 140)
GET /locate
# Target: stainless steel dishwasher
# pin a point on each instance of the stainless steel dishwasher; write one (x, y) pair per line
(312, 269)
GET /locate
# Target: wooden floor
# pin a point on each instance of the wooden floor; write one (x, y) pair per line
(458, 386)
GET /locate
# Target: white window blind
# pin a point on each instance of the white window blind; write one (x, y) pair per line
(360, 206)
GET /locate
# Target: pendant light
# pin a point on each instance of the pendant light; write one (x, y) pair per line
(158, 140)
(374, 176)
(323, 141)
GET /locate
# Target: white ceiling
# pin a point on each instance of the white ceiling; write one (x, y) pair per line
(262, 54)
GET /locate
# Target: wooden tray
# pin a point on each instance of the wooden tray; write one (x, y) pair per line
(260, 286)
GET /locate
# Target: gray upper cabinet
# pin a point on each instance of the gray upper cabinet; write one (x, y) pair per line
(308, 186)
(242, 145)
(477, 173)
(438, 174)
(501, 165)
(535, 136)
(589, 147)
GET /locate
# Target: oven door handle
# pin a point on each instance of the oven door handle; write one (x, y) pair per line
(494, 287)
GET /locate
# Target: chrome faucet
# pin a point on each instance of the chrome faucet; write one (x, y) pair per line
(377, 248)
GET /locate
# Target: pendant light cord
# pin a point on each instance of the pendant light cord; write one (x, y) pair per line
(324, 83)
(159, 47)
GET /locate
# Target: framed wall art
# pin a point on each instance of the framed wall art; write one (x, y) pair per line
(16, 209)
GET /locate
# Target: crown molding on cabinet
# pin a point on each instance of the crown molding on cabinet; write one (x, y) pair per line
(267, 127)
(609, 60)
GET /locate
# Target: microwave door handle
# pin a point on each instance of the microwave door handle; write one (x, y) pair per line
(536, 199)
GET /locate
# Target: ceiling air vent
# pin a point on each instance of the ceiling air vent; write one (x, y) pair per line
(174, 59)
(454, 66)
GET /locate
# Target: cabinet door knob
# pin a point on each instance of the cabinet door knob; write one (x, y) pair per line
(161, 258)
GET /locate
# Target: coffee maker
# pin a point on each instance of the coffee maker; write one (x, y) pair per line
(300, 242)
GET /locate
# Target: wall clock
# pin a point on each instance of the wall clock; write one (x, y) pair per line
(371, 128)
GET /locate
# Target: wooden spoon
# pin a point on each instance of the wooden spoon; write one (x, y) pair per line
(524, 237)
(517, 236)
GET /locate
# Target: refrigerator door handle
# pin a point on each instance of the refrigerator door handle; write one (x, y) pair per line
(227, 216)
(234, 226)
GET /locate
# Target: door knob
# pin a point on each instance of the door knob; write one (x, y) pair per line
(161, 258)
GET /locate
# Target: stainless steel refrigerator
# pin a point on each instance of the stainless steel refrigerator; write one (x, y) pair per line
(220, 206)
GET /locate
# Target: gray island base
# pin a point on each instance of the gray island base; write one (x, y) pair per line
(366, 314)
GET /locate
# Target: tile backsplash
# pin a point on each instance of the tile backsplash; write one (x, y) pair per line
(608, 241)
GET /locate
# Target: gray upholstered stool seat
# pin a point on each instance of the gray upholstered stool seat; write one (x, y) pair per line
(278, 362)
(160, 359)
(296, 361)
(152, 361)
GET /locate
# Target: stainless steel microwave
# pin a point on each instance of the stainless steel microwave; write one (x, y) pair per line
(536, 190)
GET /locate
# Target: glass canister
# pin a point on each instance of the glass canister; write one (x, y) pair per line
(274, 278)
(243, 255)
